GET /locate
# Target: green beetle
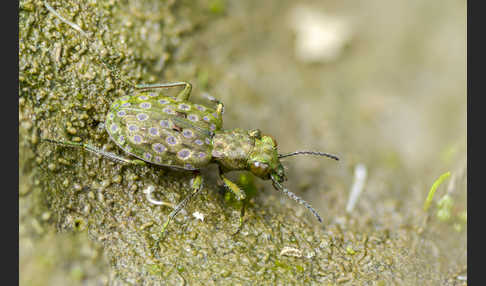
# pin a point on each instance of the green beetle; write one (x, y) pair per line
(176, 133)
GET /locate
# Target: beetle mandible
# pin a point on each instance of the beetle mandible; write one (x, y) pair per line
(176, 133)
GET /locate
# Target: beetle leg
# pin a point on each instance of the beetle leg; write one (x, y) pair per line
(196, 188)
(239, 193)
(240, 220)
(220, 110)
(182, 96)
(97, 151)
(219, 106)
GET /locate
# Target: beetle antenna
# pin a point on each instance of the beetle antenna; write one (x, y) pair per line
(293, 196)
(280, 156)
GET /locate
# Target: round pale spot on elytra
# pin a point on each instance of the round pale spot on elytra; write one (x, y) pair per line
(132, 128)
(147, 156)
(212, 127)
(142, 116)
(115, 105)
(188, 133)
(111, 116)
(153, 131)
(163, 101)
(137, 139)
(142, 97)
(121, 139)
(164, 123)
(114, 127)
(126, 104)
(158, 159)
(121, 113)
(159, 148)
(201, 155)
(206, 118)
(184, 107)
(207, 141)
(200, 108)
(198, 142)
(193, 117)
(184, 154)
(145, 105)
(168, 110)
(171, 140)
(124, 98)
(153, 94)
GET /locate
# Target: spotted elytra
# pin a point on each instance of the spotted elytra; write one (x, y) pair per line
(176, 133)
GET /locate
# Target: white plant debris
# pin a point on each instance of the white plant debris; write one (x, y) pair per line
(148, 194)
(198, 215)
(291, 251)
(357, 188)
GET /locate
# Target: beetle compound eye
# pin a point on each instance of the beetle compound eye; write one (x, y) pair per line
(260, 169)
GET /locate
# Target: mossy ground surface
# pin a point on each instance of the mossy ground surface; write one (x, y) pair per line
(394, 101)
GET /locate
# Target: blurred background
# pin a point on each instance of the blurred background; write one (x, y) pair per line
(381, 84)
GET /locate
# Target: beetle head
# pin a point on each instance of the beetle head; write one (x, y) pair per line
(264, 162)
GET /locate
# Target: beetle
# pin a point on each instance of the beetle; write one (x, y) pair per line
(173, 132)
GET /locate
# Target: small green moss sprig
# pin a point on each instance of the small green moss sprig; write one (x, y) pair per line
(434, 187)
